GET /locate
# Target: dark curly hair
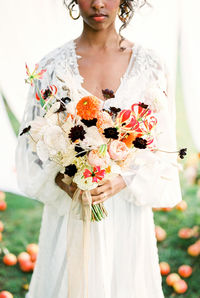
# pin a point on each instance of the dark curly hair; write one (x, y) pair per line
(127, 10)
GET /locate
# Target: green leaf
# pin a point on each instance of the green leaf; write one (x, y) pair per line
(11, 116)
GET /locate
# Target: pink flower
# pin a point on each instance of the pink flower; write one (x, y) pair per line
(95, 159)
(96, 174)
(104, 120)
(34, 75)
(118, 150)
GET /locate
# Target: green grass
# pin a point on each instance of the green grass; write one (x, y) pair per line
(173, 249)
(22, 220)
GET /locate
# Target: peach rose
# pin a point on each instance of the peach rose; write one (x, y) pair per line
(95, 159)
(104, 120)
(118, 150)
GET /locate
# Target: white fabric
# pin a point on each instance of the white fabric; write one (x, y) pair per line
(190, 64)
(124, 257)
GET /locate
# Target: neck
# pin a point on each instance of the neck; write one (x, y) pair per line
(99, 40)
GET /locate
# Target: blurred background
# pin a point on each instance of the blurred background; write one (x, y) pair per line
(29, 30)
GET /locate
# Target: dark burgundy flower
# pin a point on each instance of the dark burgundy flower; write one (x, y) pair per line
(182, 152)
(47, 93)
(77, 132)
(114, 111)
(71, 170)
(89, 123)
(80, 150)
(107, 93)
(25, 130)
(63, 101)
(66, 99)
(140, 143)
(143, 105)
(111, 133)
(61, 108)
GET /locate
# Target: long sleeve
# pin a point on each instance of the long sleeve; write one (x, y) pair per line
(155, 182)
(35, 178)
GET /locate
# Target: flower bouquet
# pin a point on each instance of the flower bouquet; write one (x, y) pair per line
(91, 143)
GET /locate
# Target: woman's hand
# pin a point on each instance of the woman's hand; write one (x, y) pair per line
(107, 189)
(69, 189)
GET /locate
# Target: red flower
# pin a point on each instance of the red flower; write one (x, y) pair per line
(52, 89)
(126, 120)
(138, 111)
(96, 174)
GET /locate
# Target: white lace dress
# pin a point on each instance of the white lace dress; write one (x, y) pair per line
(123, 255)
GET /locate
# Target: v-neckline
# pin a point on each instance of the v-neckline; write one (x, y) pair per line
(76, 56)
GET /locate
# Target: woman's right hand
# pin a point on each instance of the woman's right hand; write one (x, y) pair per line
(69, 189)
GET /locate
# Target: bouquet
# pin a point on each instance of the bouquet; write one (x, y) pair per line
(91, 143)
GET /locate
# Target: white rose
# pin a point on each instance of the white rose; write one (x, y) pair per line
(54, 139)
(155, 98)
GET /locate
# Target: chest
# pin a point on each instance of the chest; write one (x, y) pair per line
(101, 72)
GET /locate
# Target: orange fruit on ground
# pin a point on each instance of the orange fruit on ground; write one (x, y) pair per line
(167, 209)
(185, 270)
(164, 268)
(180, 286)
(5, 294)
(3, 205)
(26, 266)
(193, 250)
(185, 233)
(182, 206)
(172, 278)
(1, 236)
(156, 209)
(32, 248)
(23, 256)
(160, 233)
(10, 259)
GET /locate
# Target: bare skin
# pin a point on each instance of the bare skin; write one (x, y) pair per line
(102, 65)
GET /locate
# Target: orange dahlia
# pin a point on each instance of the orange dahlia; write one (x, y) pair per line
(88, 107)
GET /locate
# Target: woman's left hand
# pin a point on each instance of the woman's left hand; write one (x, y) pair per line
(107, 189)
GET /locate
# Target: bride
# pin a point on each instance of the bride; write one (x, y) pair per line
(123, 260)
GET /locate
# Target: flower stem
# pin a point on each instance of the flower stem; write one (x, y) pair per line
(95, 213)
(99, 208)
(165, 151)
(104, 210)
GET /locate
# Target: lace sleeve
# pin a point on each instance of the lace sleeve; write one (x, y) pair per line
(35, 178)
(156, 182)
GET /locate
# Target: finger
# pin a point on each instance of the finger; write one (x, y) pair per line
(98, 190)
(98, 202)
(100, 197)
(72, 188)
